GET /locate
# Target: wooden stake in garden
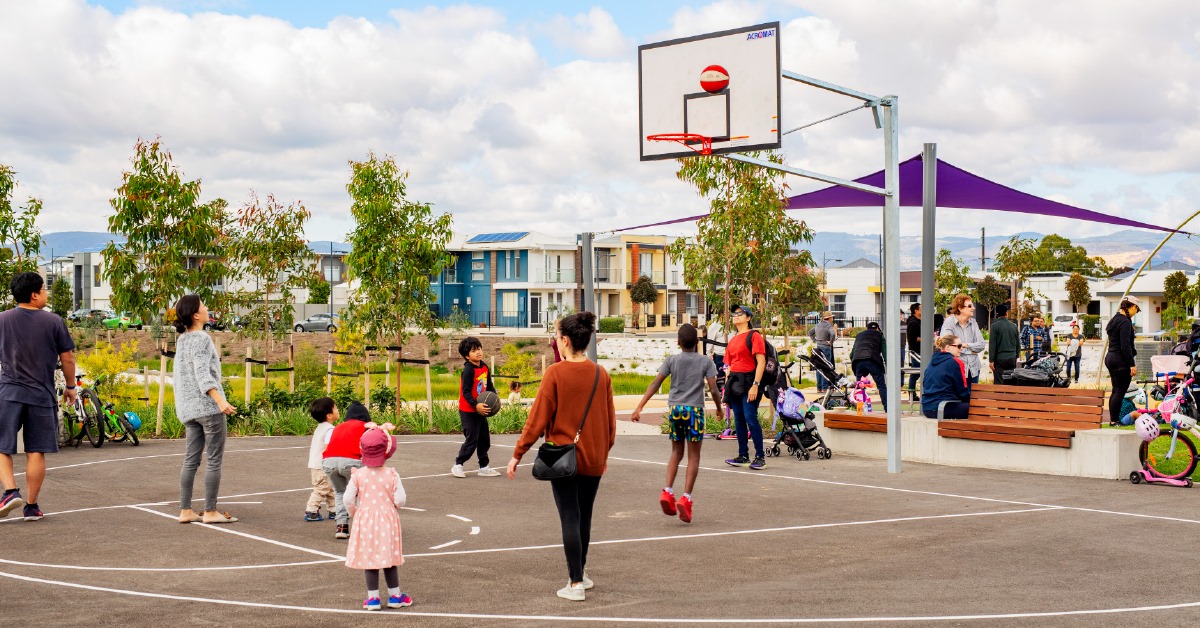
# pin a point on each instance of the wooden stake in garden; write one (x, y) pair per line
(162, 387)
(367, 384)
(428, 389)
(291, 365)
(249, 356)
(146, 381)
(329, 375)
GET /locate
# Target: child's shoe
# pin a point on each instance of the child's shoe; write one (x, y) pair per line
(667, 501)
(10, 502)
(488, 472)
(32, 512)
(331, 515)
(740, 461)
(343, 531)
(399, 601)
(372, 604)
(574, 593)
(457, 471)
(685, 509)
(758, 464)
(312, 516)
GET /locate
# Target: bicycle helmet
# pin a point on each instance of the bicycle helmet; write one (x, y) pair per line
(134, 420)
(1146, 427)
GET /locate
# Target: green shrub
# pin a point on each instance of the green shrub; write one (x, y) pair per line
(612, 325)
(310, 368)
(1091, 325)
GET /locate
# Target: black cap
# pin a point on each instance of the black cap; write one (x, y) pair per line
(358, 412)
(1002, 309)
(872, 325)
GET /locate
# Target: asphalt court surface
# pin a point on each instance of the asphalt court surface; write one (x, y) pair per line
(816, 542)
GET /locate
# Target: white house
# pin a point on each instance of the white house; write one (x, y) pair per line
(1148, 288)
(1051, 296)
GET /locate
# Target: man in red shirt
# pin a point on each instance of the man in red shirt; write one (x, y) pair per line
(342, 456)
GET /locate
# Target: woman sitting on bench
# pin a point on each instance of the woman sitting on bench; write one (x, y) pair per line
(944, 383)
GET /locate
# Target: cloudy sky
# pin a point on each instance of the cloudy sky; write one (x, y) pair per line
(523, 115)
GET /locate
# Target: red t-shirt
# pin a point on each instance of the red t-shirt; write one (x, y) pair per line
(344, 440)
(738, 358)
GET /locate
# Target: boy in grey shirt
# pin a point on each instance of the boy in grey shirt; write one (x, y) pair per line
(689, 372)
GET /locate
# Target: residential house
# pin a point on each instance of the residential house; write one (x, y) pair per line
(621, 260)
(1051, 296)
(1148, 288)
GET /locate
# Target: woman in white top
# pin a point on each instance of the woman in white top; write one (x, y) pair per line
(962, 324)
(1075, 350)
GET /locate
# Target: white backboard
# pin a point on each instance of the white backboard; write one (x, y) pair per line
(742, 117)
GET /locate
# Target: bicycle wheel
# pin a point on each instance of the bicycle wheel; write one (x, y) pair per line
(1158, 458)
(71, 429)
(93, 422)
(130, 433)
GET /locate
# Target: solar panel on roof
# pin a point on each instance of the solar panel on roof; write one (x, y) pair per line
(508, 236)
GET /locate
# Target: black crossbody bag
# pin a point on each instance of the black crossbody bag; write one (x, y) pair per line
(554, 462)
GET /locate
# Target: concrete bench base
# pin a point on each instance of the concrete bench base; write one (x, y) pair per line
(1097, 453)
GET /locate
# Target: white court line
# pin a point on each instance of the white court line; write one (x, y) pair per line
(154, 569)
(412, 509)
(454, 542)
(474, 529)
(460, 518)
(217, 527)
(698, 535)
(92, 462)
(623, 620)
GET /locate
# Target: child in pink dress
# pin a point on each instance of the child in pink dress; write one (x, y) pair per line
(372, 497)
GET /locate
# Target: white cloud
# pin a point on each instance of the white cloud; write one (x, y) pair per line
(1050, 98)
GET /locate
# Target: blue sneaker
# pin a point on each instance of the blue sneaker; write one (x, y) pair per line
(399, 601)
(758, 463)
(312, 516)
(740, 461)
(331, 515)
(32, 512)
(10, 502)
(372, 604)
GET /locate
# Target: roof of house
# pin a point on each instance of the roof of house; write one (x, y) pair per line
(1150, 283)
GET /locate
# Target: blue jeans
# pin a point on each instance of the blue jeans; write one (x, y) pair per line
(822, 383)
(746, 412)
(1075, 360)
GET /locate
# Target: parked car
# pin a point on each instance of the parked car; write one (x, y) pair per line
(1062, 324)
(79, 315)
(321, 321)
(124, 321)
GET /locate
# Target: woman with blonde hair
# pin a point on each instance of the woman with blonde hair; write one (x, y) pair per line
(945, 385)
(962, 324)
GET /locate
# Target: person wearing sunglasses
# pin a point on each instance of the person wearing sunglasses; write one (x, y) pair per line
(945, 385)
(962, 324)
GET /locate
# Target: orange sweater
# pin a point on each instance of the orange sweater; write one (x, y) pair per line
(559, 407)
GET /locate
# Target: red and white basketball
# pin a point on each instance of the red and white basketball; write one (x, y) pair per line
(713, 79)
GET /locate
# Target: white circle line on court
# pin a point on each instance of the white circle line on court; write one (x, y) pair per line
(625, 620)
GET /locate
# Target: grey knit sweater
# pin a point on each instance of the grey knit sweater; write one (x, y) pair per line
(197, 371)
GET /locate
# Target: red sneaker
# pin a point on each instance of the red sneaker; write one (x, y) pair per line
(685, 509)
(667, 501)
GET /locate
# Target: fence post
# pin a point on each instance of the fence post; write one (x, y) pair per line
(543, 364)
(162, 387)
(249, 356)
(428, 389)
(291, 364)
(367, 385)
(216, 345)
(146, 381)
(329, 375)
(491, 364)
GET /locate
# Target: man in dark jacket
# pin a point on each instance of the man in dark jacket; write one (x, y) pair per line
(1004, 343)
(913, 336)
(866, 358)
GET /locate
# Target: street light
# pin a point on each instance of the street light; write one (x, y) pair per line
(331, 277)
(824, 274)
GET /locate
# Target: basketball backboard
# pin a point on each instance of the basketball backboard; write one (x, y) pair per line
(721, 85)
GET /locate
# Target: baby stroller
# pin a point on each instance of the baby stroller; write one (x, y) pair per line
(840, 386)
(799, 433)
(1043, 370)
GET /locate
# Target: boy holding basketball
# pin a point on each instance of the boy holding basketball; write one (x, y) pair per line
(689, 372)
(475, 381)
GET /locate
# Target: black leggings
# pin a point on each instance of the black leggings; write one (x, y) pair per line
(1120, 378)
(390, 575)
(574, 497)
(476, 438)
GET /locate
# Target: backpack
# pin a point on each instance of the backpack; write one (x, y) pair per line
(771, 370)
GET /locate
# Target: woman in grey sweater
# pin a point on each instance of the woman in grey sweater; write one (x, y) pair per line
(200, 405)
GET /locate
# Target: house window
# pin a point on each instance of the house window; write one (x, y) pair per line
(96, 276)
(602, 258)
(508, 304)
(508, 259)
(452, 270)
(693, 303)
(645, 265)
(837, 305)
(516, 264)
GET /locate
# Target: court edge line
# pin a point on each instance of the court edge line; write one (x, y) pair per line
(626, 620)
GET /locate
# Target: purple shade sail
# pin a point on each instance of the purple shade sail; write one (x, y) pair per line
(956, 188)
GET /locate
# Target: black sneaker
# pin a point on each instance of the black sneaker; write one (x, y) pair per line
(758, 463)
(740, 461)
(32, 512)
(343, 531)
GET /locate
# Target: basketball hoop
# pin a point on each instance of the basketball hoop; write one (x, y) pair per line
(687, 139)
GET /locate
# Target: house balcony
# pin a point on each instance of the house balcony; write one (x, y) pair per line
(555, 275)
(656, 277)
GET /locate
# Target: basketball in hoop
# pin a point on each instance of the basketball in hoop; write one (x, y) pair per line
(687, 139)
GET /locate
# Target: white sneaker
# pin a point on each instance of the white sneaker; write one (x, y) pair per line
(488, 472)
(587, 582)
(573, 593)
(457, 471)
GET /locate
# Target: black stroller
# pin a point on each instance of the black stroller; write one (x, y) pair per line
(1043, 370)
(840, 386)
(799, 433)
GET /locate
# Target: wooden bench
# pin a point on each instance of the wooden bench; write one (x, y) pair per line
(852, 420)
(1028, 415)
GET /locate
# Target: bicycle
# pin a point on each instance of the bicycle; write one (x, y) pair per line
(91, 418)
(1163, 460)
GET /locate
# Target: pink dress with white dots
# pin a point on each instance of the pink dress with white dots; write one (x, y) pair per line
(375, 543)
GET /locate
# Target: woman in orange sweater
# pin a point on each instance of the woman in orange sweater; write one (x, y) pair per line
(557, 413)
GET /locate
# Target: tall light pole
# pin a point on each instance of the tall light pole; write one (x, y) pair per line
(825, 276)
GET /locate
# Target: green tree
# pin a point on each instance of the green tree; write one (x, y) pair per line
(174, 244)
(20, 237)
(61, 299)
(1177, 294)
(1055, 253)
(744, 239)
(399, 245)
(642, 292)
(1078, 291)
(1014, 261)
(269, 247)
(319, 290)
(950, 278)
(988, 294)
